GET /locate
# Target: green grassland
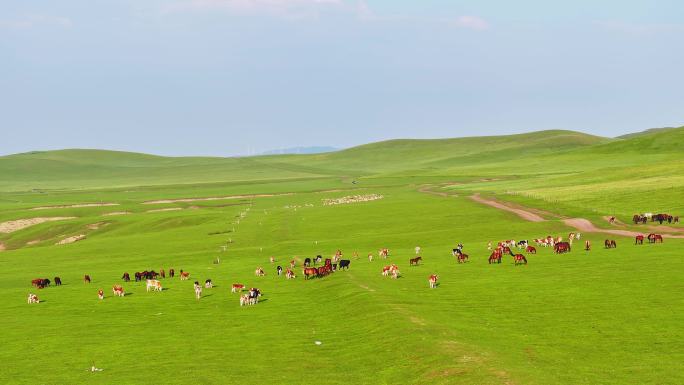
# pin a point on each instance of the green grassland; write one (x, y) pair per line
(599, 317)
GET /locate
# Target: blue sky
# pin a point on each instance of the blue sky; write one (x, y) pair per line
(229, 77)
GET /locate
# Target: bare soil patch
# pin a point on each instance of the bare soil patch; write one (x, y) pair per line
(116, 213)
(522, 213)
(161, 201)
(19, 224)
(73, 239)
(166, 209)
(2, 247)
(95, 226)
(75, 206)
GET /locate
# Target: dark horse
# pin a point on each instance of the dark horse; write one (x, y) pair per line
(414, 261)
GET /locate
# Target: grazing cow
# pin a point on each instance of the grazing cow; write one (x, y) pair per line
(531, 250)
(100, 294)
(610, 244)
(237, 287)
(244, 300)
(172, 273)
(58, 281)
(414, 261)
(184, 275)
(289, 274)
(395, 273)
(519, 259)
(208, 284)
(32, 298)
(198, 290)
(318, 259)
(293, 263)
(118, 290)
(162, 273)
(127, 278)
(254, 295)
(432, 281)
(307, 262)
(259, 272)
(383, 253)
(653, 238)
(86, 278)
(280, 270)
(522, 244)
(154, 285)
(272, 259)
(587, 245)
(344, 264)
(639, 239)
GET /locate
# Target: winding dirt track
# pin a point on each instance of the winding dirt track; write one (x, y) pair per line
(580, 224)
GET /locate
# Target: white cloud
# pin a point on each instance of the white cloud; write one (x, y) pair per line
(472, 22)
(31, 21)
(282, 7)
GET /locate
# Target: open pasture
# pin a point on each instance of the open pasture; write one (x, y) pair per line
(607, 316)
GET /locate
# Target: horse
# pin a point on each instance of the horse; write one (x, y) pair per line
(587, 246)
(462, 258)
(127, 277)
(561, 247)
(639, 239)
(58, 281)
(531, 250)
(86, 278)
(171, 273)
(519, 259)
(414, 261)
(653, 238)
(162, 273)
(310, 272)
(495, 257)
(610, 244)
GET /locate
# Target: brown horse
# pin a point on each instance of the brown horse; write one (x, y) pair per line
(172, 273)
(639, 240)
(519, 259)
(587, 246)
(495, 257)
(414, 261)
(653, 238)
(310, 272)
(610, 244)
(561, 247)
(86, 278)
(531, 250)
(462, 258)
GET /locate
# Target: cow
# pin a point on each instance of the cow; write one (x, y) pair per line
(237, 287)
(127, 278)
(162, 273)
(309, 272)
(153, 285)
(86, 278)
(318, 259)
(462, 258)
(307, 262)
(280, 270)
(395, 273)
(118, 290)
(244, 300)
(100, 294)
(172, 273)
(40, 283)
(561, 247)
(293, 263)
(432, 281)
(675, 219)
(259, 272)
(254, 295)
(610, 244)
(344, 264)
(138, 276)
(184, 275)
(531, 250)
(32, 298)
(198, 290)
(639, 239)
(383, 253)
(289, 274)
(208, 284)
(58, 281)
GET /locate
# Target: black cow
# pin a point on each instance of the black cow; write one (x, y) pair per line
(344, 264)
(58, 281)
(318, 259)
(307, 262)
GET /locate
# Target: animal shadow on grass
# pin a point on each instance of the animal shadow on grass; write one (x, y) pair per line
(128, 294)
(263, 300)
(207, 295)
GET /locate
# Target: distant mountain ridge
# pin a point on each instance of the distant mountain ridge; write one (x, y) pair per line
(300, 150)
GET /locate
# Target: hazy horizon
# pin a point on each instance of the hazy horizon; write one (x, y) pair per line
(238, 77)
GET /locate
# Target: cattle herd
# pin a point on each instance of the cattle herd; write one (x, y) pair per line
(328, 266)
